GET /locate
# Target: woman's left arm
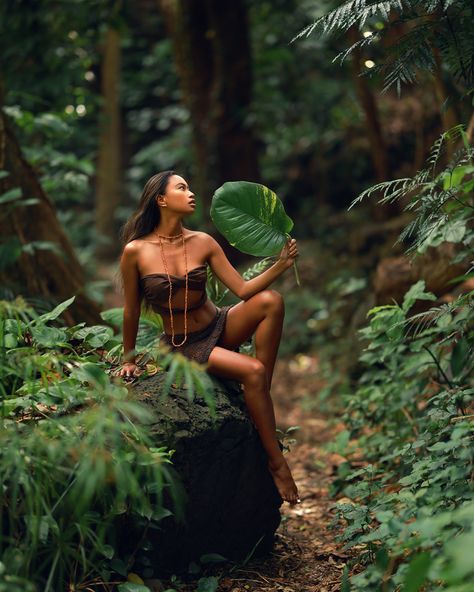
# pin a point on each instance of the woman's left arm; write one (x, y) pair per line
(245, 289)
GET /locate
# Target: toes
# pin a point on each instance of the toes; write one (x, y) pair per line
(293, 500)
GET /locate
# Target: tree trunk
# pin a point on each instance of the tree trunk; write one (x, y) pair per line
(378, 148)
(449, 117)
(470, 130)
(108, 190)
(213, 60)
(235, 146)
(52, 275)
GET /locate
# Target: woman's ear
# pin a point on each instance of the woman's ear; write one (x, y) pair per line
(160, 201)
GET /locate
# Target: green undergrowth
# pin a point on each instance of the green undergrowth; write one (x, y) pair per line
(406, 502)
(409, 509)
(75, 453)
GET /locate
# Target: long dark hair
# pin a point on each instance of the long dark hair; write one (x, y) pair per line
(144, 219)
(147, 215)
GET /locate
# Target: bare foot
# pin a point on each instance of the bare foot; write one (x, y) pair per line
(284, 481)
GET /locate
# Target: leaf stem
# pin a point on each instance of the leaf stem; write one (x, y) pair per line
(297, 277)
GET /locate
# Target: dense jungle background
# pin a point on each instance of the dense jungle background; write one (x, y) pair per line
(359, 115)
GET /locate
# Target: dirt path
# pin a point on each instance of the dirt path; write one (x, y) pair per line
(306, 557)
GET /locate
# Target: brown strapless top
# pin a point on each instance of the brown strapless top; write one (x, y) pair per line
(156, 289)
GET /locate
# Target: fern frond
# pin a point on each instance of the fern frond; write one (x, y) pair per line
(342, 55)
(392, 190)
(444, 25)
(257, 268)
(435, 313)
(351, 13)
(412, 58)
(358, 12)
(217, 296)
(305, 32)
(428, 195)
(452, 134)
(456, 43)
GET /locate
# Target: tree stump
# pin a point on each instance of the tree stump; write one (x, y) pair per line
(233, 503)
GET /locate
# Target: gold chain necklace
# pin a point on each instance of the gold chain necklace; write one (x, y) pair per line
(171, 290)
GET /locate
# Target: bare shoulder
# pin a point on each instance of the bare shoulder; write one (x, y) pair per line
(198, 234)
(131, 250)
(203, 243)
(203, 238)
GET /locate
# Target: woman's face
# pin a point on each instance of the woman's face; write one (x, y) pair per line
(178, 197)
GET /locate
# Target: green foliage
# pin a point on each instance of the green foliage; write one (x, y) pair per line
(74, 449)
(214, 288)
(251, 217)
(411, 510)
(305, 111)
(441, 199)
(435, 26)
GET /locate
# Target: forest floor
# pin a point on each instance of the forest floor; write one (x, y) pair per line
(306, 557)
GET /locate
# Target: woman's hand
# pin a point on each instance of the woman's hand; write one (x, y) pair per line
(289, 253)
(128, 369)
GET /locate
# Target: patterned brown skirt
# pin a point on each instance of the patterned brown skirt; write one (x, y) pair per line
(199, 344)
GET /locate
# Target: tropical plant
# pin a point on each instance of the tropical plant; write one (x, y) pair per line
(435, 30)
(411, 510)
(442, 200)
(74, 449)
(214, 288)
(252, 218)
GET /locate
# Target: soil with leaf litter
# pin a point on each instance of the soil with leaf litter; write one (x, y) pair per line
(305, 557)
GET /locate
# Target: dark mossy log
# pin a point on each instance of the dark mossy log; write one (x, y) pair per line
(232, 502)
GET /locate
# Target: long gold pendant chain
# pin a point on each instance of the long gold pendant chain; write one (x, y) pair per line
(171, 293)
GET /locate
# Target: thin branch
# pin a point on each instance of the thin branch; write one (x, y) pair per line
(440, 370)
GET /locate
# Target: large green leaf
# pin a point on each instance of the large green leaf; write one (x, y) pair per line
(251, 217)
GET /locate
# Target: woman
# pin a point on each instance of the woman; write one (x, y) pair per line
(165, 264)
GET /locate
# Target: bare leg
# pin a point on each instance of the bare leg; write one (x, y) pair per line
(252, 374)
(264, 312)
(263, 315)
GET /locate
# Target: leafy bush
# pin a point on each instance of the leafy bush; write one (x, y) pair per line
(74, 449)
(410, 511)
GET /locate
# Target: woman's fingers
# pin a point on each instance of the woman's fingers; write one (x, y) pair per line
(292, 248)
(126, 372)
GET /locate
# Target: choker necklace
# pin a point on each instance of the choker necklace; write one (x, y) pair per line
(168, 237)
(171, 289)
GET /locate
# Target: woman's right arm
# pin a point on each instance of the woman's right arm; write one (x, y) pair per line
(131, 309)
